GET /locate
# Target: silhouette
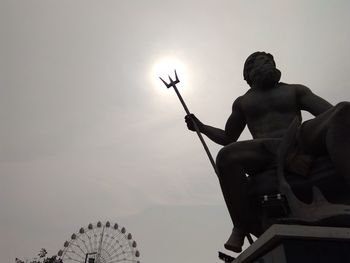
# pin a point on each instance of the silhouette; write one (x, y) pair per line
(43, 258)
(272, 111)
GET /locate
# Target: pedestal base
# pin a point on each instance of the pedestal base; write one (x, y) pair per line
(299, 244)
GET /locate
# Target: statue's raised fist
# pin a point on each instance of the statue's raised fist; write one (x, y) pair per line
(190, 119)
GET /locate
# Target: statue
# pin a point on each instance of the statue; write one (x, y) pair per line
(272, 111)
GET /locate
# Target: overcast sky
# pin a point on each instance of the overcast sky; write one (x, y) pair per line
(89, 133)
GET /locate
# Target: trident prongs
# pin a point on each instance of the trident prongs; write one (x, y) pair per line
(172, 82)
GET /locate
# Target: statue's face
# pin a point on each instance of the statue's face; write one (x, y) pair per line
(264, 74)
(263, 61)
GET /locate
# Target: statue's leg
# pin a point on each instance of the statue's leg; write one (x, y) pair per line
(234, 162)
(330, 133)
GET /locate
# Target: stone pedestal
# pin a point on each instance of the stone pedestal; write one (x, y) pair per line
(299, 244)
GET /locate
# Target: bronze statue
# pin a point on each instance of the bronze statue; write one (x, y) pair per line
(268, 108)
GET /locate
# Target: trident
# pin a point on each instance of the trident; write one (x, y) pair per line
(172, 84)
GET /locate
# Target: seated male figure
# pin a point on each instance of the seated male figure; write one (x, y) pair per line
(268, 108)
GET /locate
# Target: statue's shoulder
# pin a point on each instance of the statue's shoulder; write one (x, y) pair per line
(238, 102)
(299, 90)
(283, 84)
(288, 85)
(242, 101)
(296, 87)
(245, 95)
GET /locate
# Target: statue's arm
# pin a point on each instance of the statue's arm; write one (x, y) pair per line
(310, 102)
(233, 128)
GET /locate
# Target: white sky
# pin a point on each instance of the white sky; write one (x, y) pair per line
(88, 132)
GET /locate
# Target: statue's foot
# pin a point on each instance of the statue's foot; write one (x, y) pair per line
(236, 240)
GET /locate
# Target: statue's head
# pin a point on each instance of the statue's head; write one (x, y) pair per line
(260, 70)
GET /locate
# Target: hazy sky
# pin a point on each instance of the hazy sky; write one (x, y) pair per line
(89, 133)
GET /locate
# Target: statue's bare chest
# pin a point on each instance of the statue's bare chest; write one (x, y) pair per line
(280, 100)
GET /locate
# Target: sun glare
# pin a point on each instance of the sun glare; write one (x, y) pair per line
(165, 67)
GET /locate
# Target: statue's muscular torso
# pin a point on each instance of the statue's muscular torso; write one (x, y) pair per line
(268, 113)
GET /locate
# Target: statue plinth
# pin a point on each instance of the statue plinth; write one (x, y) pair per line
(299, 244)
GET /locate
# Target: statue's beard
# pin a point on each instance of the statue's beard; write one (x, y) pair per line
(265, 77)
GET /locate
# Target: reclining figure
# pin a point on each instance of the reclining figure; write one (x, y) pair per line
(281, 143)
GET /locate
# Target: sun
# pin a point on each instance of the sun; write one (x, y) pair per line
(165, 67)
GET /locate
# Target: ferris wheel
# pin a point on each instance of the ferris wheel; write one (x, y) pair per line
(100, 243)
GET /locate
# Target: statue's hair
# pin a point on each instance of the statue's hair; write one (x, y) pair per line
(249, 64)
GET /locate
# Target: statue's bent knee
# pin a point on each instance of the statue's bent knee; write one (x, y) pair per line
(226, 157)
(342, 108)
(220, 159)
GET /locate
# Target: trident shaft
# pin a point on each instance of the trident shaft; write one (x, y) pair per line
(172, 84)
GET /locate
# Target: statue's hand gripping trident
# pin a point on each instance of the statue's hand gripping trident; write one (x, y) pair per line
(172, 84)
